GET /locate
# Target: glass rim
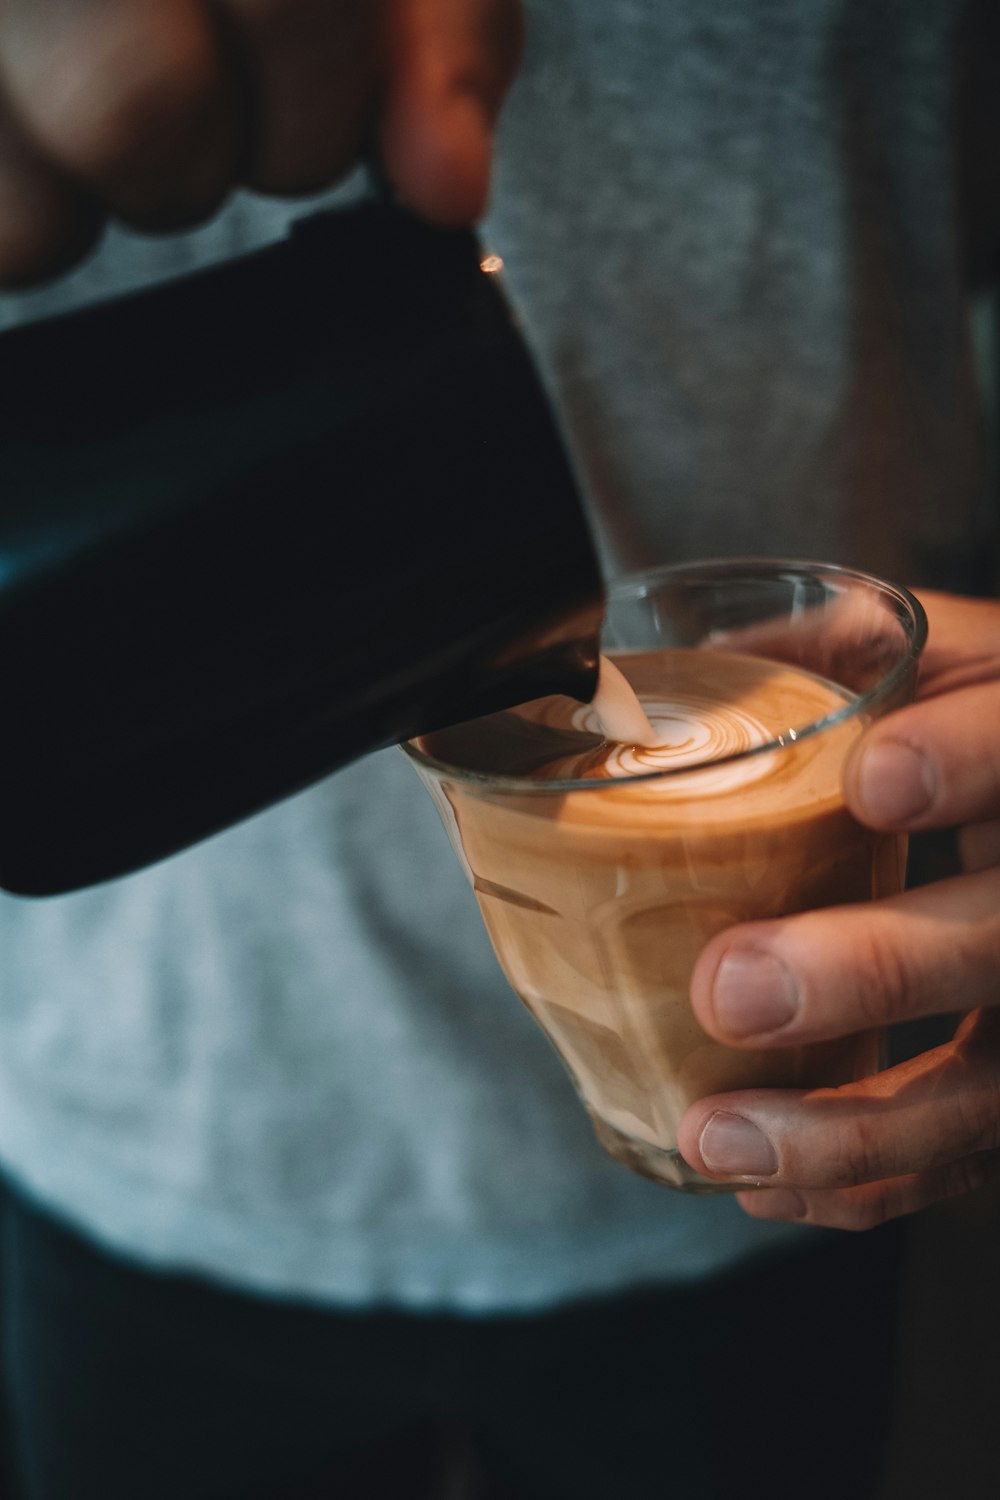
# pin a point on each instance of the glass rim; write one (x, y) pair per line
(708, 570)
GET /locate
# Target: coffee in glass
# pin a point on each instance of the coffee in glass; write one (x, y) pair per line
(603, 868)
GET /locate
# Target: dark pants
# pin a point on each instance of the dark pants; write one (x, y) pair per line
(128, 1386)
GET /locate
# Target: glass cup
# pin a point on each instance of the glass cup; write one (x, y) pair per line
(600, 890)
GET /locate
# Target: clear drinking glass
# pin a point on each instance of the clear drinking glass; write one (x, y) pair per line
(599, 891)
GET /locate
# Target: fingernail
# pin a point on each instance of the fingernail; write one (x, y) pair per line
(753, 993)
(895, 783)
(731, 1144)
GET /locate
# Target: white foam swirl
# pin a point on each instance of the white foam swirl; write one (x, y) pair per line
(694, 732)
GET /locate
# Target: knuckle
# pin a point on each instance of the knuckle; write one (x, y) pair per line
(967, 1175)
(856, 1152)
(855, 1209)
(977, 1117)
(883, 980)
(478, 51)
(100, 121)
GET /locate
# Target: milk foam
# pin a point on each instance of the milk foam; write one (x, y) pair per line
(617, 712)
(664, 735)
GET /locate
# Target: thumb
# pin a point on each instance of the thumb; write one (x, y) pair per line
(449, 64)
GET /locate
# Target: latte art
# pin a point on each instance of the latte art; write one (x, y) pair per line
(702, 711)
(687, 733)
(685, 726)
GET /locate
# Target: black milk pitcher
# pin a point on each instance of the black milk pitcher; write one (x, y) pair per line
(261, 520)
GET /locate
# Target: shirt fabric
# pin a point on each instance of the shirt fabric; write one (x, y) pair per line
(287, 1059)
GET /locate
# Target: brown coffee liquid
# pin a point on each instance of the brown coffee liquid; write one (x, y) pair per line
(599, 898)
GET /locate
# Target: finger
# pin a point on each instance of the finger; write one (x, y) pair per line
(875, 1203)
(926, 1113)
(845, 969)
(935, 764)
(963, 642)
(311, 70)
(979, 845)
(131, 99)
(45, 222)
(450, 65)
